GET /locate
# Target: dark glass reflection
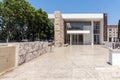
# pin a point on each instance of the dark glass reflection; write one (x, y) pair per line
(76, 25)
(97, 27)
(96, 32)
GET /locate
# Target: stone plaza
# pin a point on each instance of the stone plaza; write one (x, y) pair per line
(76, 62)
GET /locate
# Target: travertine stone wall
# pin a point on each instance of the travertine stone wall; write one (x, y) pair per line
(14, 54)
(29, 50)
(7, 58)
(59, 29)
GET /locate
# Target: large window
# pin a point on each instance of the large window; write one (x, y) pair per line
(96, 27)
(96, 32)
(77, 25)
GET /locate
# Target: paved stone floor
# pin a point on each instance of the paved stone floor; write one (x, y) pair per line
(68, 63)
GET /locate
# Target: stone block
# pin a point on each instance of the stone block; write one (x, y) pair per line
(7, 58)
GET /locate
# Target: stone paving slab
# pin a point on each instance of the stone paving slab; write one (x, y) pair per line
(68, 63)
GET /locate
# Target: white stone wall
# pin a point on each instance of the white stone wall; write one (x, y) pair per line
(114, 57)
(30, 50)
(87, 37)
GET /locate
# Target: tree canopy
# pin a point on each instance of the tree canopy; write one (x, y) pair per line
(19, 21)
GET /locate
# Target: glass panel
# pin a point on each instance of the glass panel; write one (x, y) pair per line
(110, 39)
(96, 27)
(76, 25)
(96, 32)
(77, 39)
(96, 39)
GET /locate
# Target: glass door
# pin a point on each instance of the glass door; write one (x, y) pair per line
(77, 39)
(96, 39)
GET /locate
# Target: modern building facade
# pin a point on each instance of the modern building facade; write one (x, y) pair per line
(79, 29)
(112, 33)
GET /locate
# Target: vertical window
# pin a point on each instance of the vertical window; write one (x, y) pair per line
(96, 27)
(110, 39)
(110, 30)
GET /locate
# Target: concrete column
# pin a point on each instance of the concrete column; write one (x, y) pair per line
(70, 39)
(112, 39)
(84, 39)
(92, 34)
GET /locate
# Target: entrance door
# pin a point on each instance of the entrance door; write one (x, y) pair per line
(80, 39)
(96, 39)
(77, 39)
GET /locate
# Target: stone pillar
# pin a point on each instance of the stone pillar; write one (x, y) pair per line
(92, 33)
(58, 29)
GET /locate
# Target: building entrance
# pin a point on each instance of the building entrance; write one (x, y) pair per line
(77, 39)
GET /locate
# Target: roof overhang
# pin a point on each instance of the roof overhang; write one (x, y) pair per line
(79, 16)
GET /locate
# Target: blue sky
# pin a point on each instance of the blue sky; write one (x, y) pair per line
(111, 7)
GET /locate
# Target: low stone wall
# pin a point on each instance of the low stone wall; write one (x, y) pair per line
(29, 50)
(15, 54)
(7, 58)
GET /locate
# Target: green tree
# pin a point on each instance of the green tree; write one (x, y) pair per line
(19, 20)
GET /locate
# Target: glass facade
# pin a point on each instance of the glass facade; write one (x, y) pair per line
(77, 25)
(96, 32)
(96, 27)
(85, 25)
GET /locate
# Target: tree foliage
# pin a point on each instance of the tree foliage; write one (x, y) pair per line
(19, 20)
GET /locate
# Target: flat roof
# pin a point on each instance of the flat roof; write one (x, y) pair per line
(79, 16)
